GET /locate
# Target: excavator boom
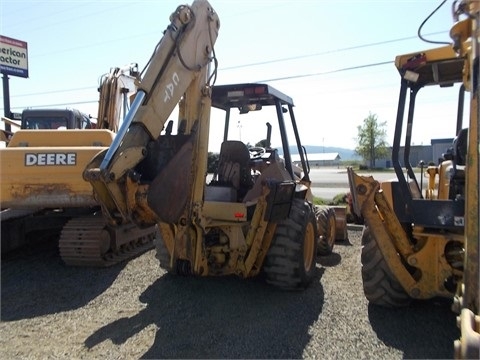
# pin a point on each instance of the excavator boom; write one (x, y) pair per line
(115, 90)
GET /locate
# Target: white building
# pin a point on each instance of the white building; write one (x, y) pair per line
(319, 159)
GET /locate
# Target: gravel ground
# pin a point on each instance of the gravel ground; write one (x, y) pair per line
(133, 310)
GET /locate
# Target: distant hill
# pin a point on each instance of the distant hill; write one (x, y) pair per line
(345, 154)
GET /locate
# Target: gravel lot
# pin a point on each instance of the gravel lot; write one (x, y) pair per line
(134, 310)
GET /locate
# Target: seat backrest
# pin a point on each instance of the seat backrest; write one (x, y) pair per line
(460, 147)
(234, 165)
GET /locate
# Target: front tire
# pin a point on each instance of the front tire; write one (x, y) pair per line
(326, 223)
(291, 260)
(380, 286)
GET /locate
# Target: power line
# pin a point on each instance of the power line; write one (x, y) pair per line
(328, 72)
(68, 19)
(54, 91)
(285, 59)
(277, 60)
(329, 51)
(276, 79)
(257, 63)
(97, 44)
(273, 79)
(54, 105)
(281, 60)
(265, 80)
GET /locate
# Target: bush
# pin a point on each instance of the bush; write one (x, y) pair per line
(340, 199)
(319, 201)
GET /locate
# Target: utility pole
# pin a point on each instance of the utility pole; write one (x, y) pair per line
(372, 147)
(6, 101)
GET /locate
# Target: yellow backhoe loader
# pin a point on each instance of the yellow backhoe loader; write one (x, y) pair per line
(255, 213)
(425, 244)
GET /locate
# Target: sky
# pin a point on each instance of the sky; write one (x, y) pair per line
(333, 58)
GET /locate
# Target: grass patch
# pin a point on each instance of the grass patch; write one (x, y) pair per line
(339, 199)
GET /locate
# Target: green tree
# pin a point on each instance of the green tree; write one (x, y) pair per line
(371, 143)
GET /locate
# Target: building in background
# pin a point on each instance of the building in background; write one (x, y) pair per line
(319, 159)
(426, 153)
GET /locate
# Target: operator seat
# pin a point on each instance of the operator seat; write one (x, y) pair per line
(460, 148)
(459, 160)
(234, 167)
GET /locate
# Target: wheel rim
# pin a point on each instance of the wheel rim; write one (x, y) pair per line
(309, 247)
(331, 234)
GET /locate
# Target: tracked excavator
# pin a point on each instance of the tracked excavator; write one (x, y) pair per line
(425, 244)
(255, 214)
(43, 192)
(46, 119)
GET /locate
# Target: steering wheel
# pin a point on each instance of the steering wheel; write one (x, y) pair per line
(256, 152)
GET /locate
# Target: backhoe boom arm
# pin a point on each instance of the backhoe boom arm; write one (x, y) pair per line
(180, 61)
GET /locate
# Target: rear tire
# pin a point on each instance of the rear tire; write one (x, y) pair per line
(291, 260)
(380, 286)
(326, 223)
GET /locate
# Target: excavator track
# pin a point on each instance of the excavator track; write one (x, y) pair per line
(86, 241)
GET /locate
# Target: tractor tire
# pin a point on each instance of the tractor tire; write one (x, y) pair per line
(290, 262)
(380, 286)
(326, 225)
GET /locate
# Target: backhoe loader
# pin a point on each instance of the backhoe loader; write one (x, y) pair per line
(42, 186)
(255, 215)
(421, 245)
